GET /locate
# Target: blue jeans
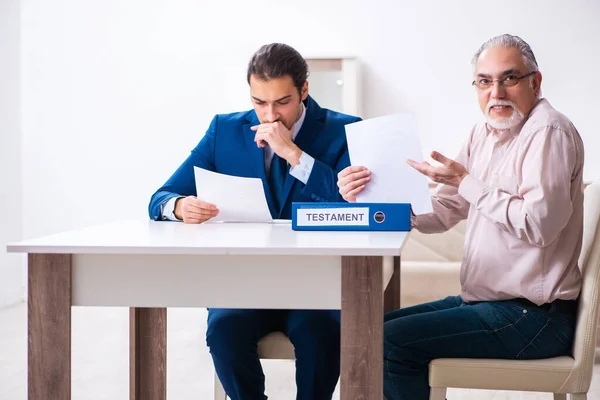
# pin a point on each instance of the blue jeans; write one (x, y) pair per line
(451, 328)
(232, 336)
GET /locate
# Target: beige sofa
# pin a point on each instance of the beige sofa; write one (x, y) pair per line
(431, 266)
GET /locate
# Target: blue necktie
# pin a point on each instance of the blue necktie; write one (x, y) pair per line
(277, 174)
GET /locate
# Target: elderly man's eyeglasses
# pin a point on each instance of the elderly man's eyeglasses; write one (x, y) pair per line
(508, 81)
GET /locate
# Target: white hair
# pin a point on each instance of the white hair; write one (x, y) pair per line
(505, 123)
(507, 41)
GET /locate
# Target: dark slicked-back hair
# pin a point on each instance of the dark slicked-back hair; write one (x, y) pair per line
(277, 60)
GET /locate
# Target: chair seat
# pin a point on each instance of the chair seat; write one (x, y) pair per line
(547, 375)
(276, 346)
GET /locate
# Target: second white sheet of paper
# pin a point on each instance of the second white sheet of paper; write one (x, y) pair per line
(383, 145)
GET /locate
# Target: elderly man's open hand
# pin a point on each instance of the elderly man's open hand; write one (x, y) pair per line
(449, 173)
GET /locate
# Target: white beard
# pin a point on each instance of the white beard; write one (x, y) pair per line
(503, 123)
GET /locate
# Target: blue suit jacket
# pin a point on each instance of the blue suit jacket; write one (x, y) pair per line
(229, 148)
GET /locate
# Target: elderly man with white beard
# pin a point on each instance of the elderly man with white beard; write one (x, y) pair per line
(518, 182)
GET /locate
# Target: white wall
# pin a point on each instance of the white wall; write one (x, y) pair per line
(11, 266)
(116, 93)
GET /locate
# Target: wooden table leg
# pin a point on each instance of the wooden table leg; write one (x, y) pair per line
(147, 353)
(49, 326)
(362, 329)
(391, 300)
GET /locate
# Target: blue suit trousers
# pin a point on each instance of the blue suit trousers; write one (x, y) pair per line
(233, 334)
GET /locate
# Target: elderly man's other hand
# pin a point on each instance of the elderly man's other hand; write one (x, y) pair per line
(449, 173)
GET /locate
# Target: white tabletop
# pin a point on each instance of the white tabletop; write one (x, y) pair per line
(150, 237)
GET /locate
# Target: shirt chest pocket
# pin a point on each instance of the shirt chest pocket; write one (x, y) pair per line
(508, 184)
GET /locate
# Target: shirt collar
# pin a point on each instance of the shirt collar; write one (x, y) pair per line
(298, 124)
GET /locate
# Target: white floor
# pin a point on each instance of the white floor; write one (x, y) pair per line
(100, 359)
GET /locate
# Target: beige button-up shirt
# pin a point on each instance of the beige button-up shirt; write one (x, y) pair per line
(523, 201)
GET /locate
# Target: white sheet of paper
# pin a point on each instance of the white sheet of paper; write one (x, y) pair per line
(238, 199)
(383, 145)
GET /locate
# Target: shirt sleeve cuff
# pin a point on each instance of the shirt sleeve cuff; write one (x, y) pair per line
(414, 223)
(471, 189)
(168, 210)
(304, 168)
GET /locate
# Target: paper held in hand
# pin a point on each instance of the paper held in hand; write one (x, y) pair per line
(238, 199)
(383, 145)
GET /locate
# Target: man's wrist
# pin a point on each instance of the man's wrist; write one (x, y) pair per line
(413, 220)
(175, 210)
(461, 178)
(293, 156)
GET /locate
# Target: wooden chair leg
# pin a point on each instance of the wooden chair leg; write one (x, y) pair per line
(219, 391)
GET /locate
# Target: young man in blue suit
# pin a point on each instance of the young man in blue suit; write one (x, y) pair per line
(297, 149)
